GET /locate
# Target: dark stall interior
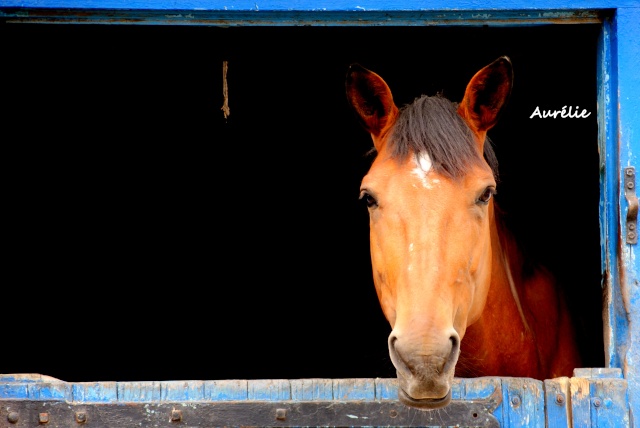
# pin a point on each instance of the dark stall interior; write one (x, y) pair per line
(151, 238)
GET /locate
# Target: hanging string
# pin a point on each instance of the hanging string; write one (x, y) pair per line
(225, 90)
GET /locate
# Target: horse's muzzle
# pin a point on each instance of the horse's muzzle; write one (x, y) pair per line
(425, 403)
(424, 376)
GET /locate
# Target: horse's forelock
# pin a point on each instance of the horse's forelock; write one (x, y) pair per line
(432, 125)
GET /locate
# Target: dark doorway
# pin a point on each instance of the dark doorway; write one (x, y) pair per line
(151, 238)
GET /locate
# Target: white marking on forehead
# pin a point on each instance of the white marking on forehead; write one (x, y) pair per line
(423, 166)
(424, 161)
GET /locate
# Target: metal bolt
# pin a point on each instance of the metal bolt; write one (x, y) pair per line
(13, 417)
(632, 226)
(631, 235)
(560, 399)
(393, 413)
(81, 417)
(515, 401)
(281, 414)
(43, 418)
(629, 185)
(176, 415)
(597, 402)
(629, 172)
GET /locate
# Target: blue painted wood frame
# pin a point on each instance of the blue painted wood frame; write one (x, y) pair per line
(618, 96)
(593, 398)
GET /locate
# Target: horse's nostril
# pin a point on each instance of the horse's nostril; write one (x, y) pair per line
(455, 345)
(397, 358)
(455, 342)
(455, 350)
(392, 341)
(393, 352)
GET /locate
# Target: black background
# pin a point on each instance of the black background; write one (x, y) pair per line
(150, 238)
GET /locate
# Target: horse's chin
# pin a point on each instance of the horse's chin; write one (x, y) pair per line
(424, 403)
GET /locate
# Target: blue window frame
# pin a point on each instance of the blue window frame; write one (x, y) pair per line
(618, 98)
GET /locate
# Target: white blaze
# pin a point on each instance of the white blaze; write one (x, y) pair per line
(423, 166)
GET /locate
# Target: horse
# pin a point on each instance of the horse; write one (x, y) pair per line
(461, 297)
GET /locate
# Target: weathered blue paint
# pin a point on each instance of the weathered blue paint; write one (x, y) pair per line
(597, 397)
(320, 5)
(246, 13)
(311, 389)
(618, 121)
(275, 17)
(627, 43)
(608, 130)
(558, 405)
(522, 403)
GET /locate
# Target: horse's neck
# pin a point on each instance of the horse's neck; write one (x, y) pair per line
(505, 332)
(507, 269)
(524, 323)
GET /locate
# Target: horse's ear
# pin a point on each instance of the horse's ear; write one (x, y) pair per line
(487, 92)
(371, 99)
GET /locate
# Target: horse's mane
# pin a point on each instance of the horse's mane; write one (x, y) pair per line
(431, 124)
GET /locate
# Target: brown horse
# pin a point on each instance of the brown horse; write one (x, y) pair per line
(451, 280)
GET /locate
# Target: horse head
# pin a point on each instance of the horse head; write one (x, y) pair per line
(429, 193)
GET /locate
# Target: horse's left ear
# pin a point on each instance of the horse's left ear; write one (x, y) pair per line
(370, 97)
(487, 92)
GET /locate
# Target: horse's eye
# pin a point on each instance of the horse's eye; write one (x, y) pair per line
(368, 199)
(486, 196)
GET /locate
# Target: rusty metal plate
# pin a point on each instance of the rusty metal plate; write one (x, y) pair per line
(54, 414)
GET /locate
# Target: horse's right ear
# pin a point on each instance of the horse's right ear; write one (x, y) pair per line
(486, 94)
(370, 97)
